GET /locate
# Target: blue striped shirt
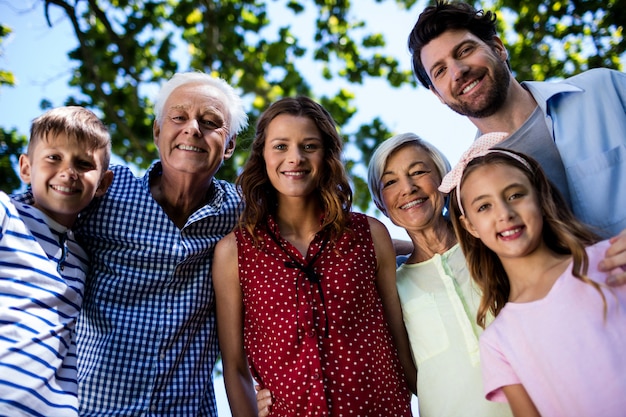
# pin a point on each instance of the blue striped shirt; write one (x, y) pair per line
(147, 336)
(42, 271)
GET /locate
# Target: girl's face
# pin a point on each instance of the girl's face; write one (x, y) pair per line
(409, 189)
(502, 210)
(294, 155)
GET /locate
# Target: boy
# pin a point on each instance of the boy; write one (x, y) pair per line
(42, 268)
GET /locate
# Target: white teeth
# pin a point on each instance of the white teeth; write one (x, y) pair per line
(294, 173)
(62, 189)
(507, 233)
(469, 87)
(413, 203)
(189, 148)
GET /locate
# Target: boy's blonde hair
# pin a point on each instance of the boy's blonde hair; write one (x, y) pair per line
(75, 122)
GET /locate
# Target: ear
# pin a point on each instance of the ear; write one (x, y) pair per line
(499, 49)
(24, 168)
(436, 93)
(467, 225)
(156, 130)
(105, 183)
(230, 147)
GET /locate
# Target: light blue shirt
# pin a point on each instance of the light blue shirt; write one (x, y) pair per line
(586, 115)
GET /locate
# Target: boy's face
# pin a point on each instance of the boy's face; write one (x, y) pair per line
(64, 177)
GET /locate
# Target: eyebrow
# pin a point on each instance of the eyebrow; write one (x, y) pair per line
(505, 189)
(455, 51)
(412, 165)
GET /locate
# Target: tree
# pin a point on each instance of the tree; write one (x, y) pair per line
(127, 47)
(11, 143)
(556, 39)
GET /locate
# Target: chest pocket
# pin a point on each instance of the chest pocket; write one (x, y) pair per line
(597, 188)
(425, 328)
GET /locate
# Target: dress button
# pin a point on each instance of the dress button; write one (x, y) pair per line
(316, 376)
(311, 333)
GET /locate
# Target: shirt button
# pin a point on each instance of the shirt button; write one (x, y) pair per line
(153, 407)
(162, 356)
(316, 376)
(169, 311)
(311, 333)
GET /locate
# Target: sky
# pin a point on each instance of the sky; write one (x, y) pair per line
(37, 56)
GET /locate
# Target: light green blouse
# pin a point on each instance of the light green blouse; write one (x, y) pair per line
(439, 304)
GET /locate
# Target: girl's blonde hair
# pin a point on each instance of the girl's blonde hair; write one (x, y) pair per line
(562, 233)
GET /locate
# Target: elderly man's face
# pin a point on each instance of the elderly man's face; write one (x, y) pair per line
(194, 131)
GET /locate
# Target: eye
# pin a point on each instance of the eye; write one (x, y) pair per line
(53, 157)
(280, 147)
(311, 147)
(466, 50)
(483, 207)
(516, 196)
(209, 123)
(388, 183)
(85, 165)
(419, 172)
(438, 71)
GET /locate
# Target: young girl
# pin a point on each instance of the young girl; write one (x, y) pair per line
(555, 346)
(305, 289)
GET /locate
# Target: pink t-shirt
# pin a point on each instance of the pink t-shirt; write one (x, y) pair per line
(568, 358)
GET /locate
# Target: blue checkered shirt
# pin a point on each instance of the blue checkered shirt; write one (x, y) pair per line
(147, 341)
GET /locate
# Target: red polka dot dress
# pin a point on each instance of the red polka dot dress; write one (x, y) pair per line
(314, 329)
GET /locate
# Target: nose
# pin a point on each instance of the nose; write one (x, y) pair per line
(192, 127)
(505, 212)
(295, 155)
(457, 69)
(70, 171)
(406, 185)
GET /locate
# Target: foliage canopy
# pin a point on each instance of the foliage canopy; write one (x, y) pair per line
(126, 48)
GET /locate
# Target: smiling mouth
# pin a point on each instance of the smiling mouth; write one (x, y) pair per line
(63, 189)
(470, 87)
(190, 148)
(295, 173)
(413, 203)
(510, 232)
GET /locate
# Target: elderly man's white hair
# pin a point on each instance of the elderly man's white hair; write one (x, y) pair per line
(238, 116)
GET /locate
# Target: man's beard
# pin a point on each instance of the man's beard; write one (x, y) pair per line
(496, 96)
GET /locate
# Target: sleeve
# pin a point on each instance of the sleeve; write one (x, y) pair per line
(496, 370)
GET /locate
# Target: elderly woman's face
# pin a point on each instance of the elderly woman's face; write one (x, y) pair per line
(409, 189)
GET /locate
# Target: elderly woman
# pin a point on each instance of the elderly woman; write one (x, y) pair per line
(439, 300)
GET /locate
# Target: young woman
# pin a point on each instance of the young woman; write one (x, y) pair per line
(554, 348)
(305, 288)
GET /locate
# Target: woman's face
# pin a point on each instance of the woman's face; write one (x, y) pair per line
(293, 153)
(409, 189)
